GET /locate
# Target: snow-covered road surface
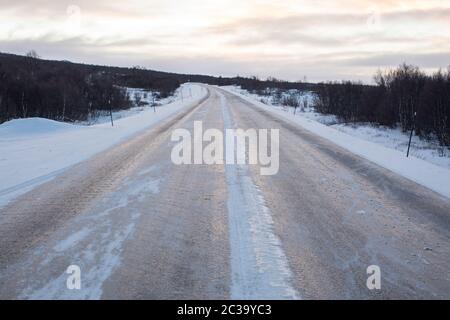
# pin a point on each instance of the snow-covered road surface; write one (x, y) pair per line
(141, 227)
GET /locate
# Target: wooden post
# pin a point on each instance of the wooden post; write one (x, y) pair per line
(413, 125)
(110, 113)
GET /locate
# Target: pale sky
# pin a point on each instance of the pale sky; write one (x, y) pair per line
(288, 39)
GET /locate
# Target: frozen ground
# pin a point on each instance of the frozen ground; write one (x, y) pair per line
(378, 145)
(35, 150)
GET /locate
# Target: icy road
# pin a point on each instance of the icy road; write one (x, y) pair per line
(140, 227)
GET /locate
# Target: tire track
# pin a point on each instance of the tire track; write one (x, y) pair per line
(35, 215)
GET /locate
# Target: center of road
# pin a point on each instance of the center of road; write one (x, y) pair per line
(259, 266)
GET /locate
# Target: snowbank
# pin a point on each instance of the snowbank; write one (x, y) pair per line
(35, 150)
(422, 172)
(31, 126)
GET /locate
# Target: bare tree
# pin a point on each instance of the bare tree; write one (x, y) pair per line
(32, 55)
(137, 98)
(305, 103)
(291, 101)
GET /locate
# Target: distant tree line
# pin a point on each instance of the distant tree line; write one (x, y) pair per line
(138, 77)
(405, 96)
(64, 91)
(31, 87)
(260, 87)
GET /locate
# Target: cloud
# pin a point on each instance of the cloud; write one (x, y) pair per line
(322, 39)
(425, 60)
(309, 26)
